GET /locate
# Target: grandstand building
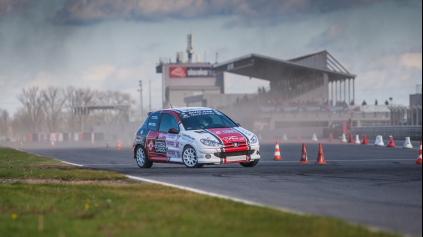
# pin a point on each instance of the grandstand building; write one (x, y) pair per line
(309, 94)
(317, 78)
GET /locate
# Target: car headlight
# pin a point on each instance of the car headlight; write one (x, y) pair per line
(210, 143)
(254, 139)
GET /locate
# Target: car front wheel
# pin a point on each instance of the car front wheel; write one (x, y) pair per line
(142, 158)
(250, 164)
(189, 156)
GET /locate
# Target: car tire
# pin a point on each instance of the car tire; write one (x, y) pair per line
(250, 164)
(142, 158)
(189, 157)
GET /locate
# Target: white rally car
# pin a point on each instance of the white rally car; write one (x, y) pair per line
(194, 137)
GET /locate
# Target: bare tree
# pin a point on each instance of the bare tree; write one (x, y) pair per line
(33, 103)
(53, 103)
(21, 123)
(4, 123)
(113, 98)
(71, 103)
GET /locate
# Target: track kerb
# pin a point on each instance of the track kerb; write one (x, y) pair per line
(320, 156)
(304, 158)
(277, 153)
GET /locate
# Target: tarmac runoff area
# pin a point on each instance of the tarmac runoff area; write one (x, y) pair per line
(376, 186)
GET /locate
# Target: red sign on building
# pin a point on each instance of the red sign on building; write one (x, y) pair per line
(178, 72)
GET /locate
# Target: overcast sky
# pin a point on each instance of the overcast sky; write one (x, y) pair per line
(111, 44)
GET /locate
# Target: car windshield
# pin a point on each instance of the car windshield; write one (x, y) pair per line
(205, 119)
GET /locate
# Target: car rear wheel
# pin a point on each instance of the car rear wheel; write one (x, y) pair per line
(250, 164)
(189, 156)
(142, 158)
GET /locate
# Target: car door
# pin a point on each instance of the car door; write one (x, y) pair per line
(153, 127)
(170, 141)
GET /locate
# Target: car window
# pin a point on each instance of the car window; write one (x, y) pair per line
(205, 119)
(168, 122)
(153, 121)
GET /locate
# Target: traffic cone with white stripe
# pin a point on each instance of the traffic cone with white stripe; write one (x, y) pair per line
(52, 142)
(304, 158)
(92, 141)
(277, 153)
(419, 161)
(320, 156)
(118, 145)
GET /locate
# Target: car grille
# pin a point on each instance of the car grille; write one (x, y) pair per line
(231, 145)
(235, 153)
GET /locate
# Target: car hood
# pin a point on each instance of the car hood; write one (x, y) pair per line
(223, 135)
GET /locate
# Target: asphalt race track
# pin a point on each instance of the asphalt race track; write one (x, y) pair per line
(376, 186)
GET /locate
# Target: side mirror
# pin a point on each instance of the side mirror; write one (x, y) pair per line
(173, 131)
(239, 125)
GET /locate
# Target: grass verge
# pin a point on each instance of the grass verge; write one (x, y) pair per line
(145, 210)
(20, 165)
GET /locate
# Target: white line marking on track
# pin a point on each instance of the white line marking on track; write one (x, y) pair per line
(72, 164)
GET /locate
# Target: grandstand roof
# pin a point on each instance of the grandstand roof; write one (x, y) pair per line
(273, 69)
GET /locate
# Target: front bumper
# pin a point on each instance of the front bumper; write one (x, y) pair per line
(219, 157)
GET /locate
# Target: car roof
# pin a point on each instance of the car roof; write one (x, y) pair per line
(186, 109)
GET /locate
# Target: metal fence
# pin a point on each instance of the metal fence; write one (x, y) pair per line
(414, 132)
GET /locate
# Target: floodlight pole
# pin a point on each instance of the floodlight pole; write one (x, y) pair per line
(142, 110)
(82, 112)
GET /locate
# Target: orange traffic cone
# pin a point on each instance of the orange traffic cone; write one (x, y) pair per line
(304, 158)
(320, 156)
(118, 145)
(351, 139)
(391, 142)
(277, 152)
(419, 161)
(52, 142)
(299, 137)
(331, 138)
(92, 142)
(365, 142)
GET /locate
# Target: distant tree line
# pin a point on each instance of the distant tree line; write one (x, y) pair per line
(52, 110)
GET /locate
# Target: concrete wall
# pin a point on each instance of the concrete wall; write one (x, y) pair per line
(178, 94)
(399, 133)
(292, 133)
(118, 131)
